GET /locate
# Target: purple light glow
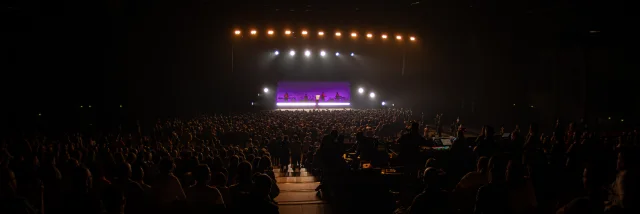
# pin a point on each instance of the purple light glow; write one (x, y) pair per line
(296, 92)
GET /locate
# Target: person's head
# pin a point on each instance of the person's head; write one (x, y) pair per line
(255, 162)
(628, 158)
(166, 165)
(264, 164)
(244, 172)
(137, 174)
(488, 131)
(431, 162)
(113, 200)
(415, 127)
(262, 185)
(202, 174)
(483, 164)
(430, 177)
(219, 179)
(123, 171)
(498, 167)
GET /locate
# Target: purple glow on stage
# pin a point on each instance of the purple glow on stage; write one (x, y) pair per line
(300, 104)
(293, 93)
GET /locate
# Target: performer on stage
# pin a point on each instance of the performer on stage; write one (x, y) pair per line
(322, 96)
(306, 98)
(337, 96)
(286, 96)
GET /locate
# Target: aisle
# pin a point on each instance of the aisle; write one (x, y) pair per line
(297, 193)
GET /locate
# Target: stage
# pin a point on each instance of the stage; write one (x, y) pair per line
(312, 109)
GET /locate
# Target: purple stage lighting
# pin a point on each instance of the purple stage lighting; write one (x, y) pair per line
(305, 93)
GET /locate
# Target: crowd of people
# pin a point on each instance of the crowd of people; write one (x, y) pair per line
(224, 164)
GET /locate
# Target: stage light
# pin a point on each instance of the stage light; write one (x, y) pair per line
(384, 103)
(337, 53)
(322, 53)
(372, 95)
(292, 53)
(393, 104)
(89, 106)
(266, 90)
(354, 35)
(412, 38)
(237, 32)
(276, 53)
(621, 120)
(338, 34)
(39, 114)
(270, 32)
(253, 32)
(120, 106)
(320, 33)
(609, 118)
(369, 35)
(287, 32)
(251, 103)
(304, 32)
(81, 106)
(352, 54)
(307, 53)
(398, 37)
(384, 36)
(361, 90)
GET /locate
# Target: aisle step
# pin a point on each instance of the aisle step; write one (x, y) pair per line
(298, 186)
(306, 179)
(290, 196)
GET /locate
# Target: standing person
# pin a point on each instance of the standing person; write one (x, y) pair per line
(410, 149)
(286, 97)
(296, 152)
(274, 150)
(285, 154)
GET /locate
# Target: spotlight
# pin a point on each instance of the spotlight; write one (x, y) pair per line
(361, 90)
(304, 32)
(237, 32)
(384, 103)
(287, 32)
(412, 38)
(384, 36)
(352, 54)
(266, 90)
(372, 95)
(251, 103)
(292, 53)
(354, 35)
(276, 53)
(338, 34)
(253, 32)
(337, 53)
(322, 53)
(369, 35)
(398, 37)
(270, 32)
(307, 53)
(320, 33)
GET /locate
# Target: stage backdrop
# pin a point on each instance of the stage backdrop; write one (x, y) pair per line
(297, 91)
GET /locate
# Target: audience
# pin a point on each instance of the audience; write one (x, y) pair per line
(224, 164)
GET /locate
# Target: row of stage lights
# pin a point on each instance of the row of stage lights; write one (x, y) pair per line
(337, 34)
(307, 53)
